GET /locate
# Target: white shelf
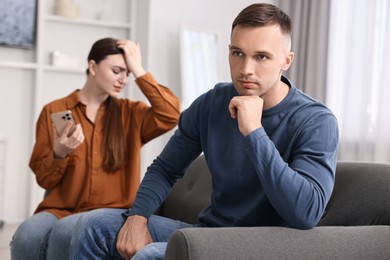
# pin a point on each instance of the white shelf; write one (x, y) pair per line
(3, 151)
(18, 65)
(85, 21)
(63, 69)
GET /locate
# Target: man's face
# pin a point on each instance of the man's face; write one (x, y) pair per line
(257, 57)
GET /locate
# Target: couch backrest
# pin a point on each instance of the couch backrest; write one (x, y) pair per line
(361, 195)
(190, 194)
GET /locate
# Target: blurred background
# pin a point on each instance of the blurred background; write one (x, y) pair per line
(340, 49)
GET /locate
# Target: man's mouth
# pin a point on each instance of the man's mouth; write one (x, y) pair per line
(247, 84)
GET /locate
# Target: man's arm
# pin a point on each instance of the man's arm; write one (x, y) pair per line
(299, 188)
(183, 147)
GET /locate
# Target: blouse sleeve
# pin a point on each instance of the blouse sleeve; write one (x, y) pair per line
(164, 112)
(47, 169)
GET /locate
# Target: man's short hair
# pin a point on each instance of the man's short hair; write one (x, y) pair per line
(263, 14)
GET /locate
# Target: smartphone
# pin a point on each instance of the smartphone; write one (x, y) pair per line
(60, 119)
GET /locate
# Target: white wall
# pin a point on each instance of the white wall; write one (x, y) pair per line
(159, 36)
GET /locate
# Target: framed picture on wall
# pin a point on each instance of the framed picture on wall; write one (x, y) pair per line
(18, 23)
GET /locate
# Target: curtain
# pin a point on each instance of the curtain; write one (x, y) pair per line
(357, 90)
(310, 25)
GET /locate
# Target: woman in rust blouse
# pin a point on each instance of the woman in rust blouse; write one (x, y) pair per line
(97, 164)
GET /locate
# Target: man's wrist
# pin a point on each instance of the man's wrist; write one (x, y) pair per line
(138, 218)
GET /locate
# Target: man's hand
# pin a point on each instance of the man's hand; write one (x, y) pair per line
(248, 111)
(133, 236)
(64, 144)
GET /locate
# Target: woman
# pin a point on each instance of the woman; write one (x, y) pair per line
(97, 165)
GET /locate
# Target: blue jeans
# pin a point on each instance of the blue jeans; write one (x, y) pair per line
(95, 236)
(43, 236)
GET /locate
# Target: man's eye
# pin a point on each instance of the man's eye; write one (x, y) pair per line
(116, 71)
(237, 53)
(262, 57)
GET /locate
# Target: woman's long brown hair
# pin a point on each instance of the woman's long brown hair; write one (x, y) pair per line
(114, 139)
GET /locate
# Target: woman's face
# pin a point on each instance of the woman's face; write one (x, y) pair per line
(111, 75)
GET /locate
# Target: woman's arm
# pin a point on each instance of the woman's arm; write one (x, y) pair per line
(164, 112)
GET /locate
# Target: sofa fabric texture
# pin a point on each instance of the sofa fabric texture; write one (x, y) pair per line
(360, 242)
(356, 224)
(361, 195)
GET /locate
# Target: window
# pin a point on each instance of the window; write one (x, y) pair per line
(357, 91)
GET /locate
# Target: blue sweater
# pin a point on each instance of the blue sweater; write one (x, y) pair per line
(279, 175)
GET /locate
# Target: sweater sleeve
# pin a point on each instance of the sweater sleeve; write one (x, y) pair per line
(164, 111)
(300, 189)
(182, 148)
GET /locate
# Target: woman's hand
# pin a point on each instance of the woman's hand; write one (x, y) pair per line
(133, 57)
(64, 144)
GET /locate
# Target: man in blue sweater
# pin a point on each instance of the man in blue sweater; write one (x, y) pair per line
(270, 148)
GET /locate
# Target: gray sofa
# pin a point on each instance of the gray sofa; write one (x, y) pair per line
(356, 224)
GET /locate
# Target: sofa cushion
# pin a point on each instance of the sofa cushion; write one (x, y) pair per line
(190, 194)
(361, 195)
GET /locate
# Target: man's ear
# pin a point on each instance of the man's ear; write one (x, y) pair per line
(288, 60)
(92, 67)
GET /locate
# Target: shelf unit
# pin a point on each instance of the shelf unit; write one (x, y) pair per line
(83, 21)
(18, 65)
(3, 151)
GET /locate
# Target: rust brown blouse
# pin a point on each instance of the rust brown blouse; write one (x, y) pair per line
(78, 183)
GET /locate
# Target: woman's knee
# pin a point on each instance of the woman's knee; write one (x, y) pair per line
(63, 229)
(35, 227)
(31, 236)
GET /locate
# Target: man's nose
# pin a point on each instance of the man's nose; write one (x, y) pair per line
(248, 66)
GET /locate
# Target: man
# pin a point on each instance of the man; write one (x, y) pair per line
(271, 150)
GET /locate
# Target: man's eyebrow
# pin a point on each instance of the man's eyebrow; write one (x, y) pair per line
(267, 53)
(233, 47)
(264, 53)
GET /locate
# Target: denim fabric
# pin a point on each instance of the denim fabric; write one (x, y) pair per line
(30, 238)
(95, 235)
(160, 229)
(42, 236)
(60, 237)
(153, 251)
(96, 232)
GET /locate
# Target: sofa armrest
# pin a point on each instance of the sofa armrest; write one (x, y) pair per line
(358, 242)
